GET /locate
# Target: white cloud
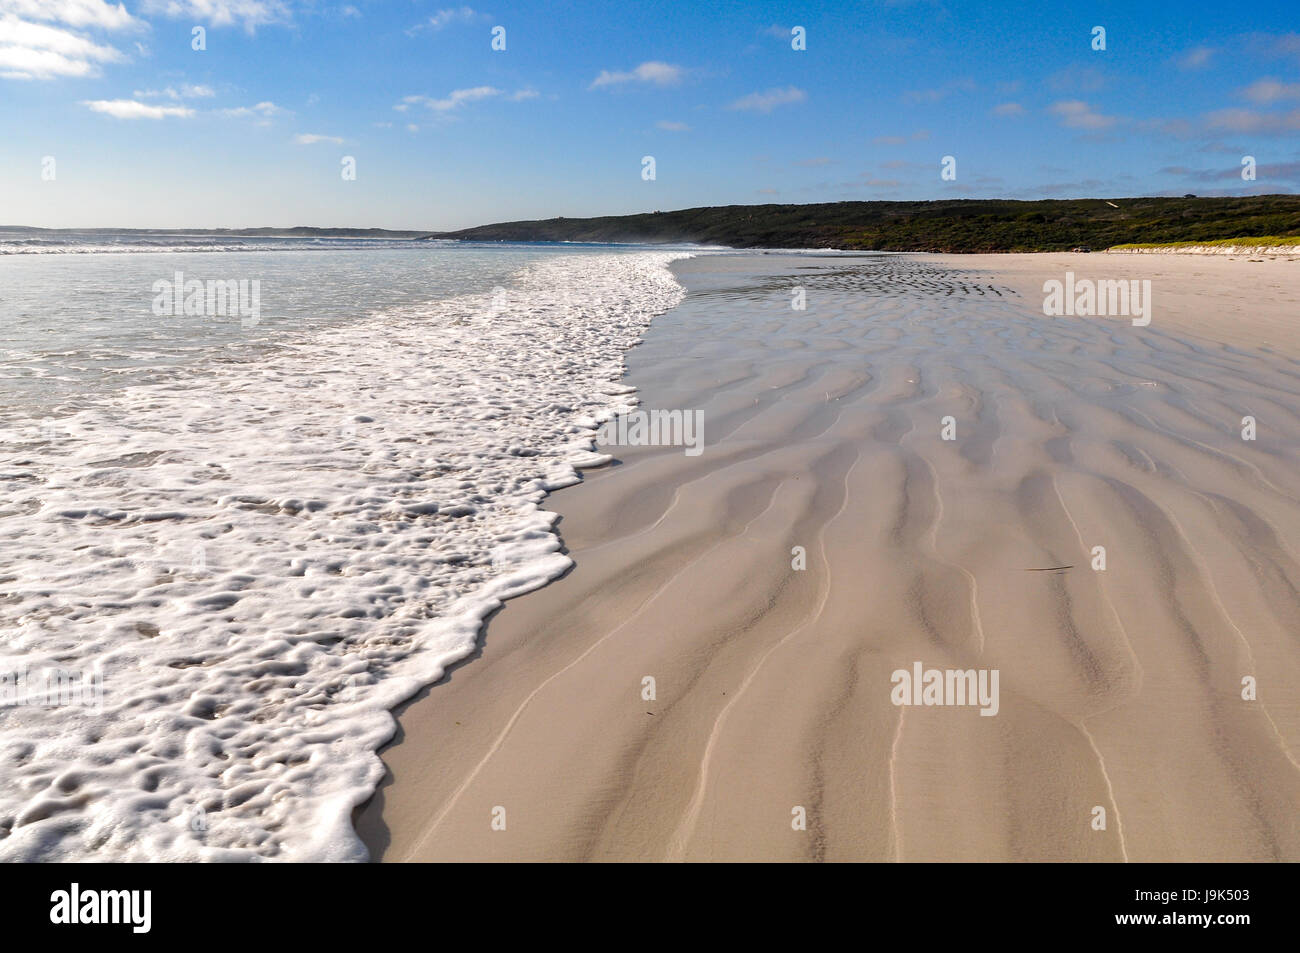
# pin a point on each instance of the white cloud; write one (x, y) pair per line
(1196, 58)
(311, 138)
(75, 13)
(265, 109)
(1266, 91)
(1077, 114)
(767, 101)
(653, 71)
(1009, 109)
(457, 98)
(1249, 121)
(37, 51)
(130, 109)
(248, 13)
(454, 100)
(186, 91)
(669, 125)
(444, 17)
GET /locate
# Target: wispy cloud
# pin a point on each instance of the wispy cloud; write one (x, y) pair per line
(446, 18)
(1076, 114)
(765, 102)
(1265, 91)
(653, 72)
(264, 110)
(131, 109)
(669, 125)
(311, 138)
(1196, 58)
(453, 100)
(1249, 120)
(916, 96)
(1269, 171)
(919, 136)
(1077, 79)
(1285, 45)
(186, 91)
(250, 14)
(1008, 109)
(461, 97)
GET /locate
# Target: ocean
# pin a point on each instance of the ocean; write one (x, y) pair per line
(256, 492)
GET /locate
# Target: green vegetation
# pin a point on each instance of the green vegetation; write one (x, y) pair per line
(1265, 241)
(962, 225)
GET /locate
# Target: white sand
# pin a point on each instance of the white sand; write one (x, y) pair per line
(1119, 689)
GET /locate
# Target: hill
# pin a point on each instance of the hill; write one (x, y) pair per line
(960, 225)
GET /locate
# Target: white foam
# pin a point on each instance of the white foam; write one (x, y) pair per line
(264, 558)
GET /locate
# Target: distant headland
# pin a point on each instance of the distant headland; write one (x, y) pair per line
(958, 225)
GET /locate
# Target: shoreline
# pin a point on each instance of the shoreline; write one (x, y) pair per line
(1119, 689)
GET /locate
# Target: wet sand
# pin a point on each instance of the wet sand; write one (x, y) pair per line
(1120, 688)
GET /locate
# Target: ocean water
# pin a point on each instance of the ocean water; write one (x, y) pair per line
(231, 543)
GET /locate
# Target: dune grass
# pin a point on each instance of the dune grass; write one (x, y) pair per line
(1264, 241)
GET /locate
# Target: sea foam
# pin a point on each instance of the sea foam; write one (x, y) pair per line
(260, 559)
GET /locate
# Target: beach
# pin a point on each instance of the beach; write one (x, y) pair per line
(233, 541)
(916, 470)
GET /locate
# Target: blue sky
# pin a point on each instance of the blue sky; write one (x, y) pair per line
(146, 131)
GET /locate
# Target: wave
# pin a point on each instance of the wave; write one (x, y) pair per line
(135, 246)
(256, 562)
